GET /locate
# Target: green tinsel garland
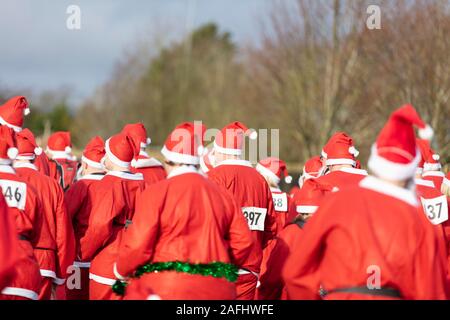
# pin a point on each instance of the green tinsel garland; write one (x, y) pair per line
(215, 269)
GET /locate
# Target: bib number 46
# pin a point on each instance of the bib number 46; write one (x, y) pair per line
(256, 217)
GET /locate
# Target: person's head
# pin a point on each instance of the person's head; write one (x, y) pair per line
(273, 170)
(312, 169)
(93, 154)
(59, 145)
(13, 112)
(395, 156)
(229, 142)
(27, 147)
(8, 150)
(183, 146)
(120, 151)
(339, 152)
(138, 132)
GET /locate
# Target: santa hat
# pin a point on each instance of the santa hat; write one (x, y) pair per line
(274, 170)
(138, 132)
(27, 146)
(395, 155)
(429, 160)
(59, 145)
(310, 196)
(184, 145)
(207, 160)
(340, 150)
(13, 112)
(313, 168)
(122, 150)
(8, 150)
(94, 152)
(230, 140)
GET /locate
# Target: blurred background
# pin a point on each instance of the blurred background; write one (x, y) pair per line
(306, 67)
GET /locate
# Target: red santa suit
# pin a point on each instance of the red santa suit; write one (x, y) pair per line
(152, 170)
(253, 196)
(188, 219)
(113, 204)
(59, 250)
(79, 206)
(64, 167)
(375, 245)
(22, 202)
(9, 246)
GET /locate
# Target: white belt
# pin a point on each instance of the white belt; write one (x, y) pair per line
(80, 264)
(11, 291)
(244, 271)
(102, 280)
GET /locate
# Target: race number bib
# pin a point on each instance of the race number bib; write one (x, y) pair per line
(436, 209)
(15, 193)
(255, 217)
(280, 202)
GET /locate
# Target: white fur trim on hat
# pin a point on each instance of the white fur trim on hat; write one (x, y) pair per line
(426, 133)
(324, 154)
(431, 166)
(179, 157)
(232, 152)
(307, 209)
(58, 154)
(389, 170)
(12, 153)
(113, 157)
(91, 163)
(333, 162)
(267, 173)
(5, 123)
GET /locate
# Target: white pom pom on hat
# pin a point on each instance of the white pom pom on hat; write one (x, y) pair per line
(38, 151)
(353, 151)
(68, 149)
(149, 141)
(288, 179)
(253, 135)
(436, 157)
(426, 133)
(12, 153)
(26, 111)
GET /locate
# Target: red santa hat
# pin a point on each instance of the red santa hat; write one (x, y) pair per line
(138, 132)
(59, 145)
(395, 155)
(230, 140)
(122, 150)
(13, 112)
(184, 145)
(274, 170)
(94, 152)
(8, 150)
(27, 146)
(313, 168)
(429, 160)
(340, 150)
(310, 196)
(207, 160)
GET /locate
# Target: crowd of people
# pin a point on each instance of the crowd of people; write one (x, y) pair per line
(207, 224)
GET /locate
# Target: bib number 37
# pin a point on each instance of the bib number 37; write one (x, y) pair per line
(256, 217)
(436, 209)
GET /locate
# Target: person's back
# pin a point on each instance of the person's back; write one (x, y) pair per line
(379, 232)
(342, 178)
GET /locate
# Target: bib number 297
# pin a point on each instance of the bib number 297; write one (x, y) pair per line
(256, 217)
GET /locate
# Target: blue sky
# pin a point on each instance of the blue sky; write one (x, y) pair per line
(38, 52)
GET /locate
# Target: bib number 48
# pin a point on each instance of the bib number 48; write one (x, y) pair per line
(256, 217)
